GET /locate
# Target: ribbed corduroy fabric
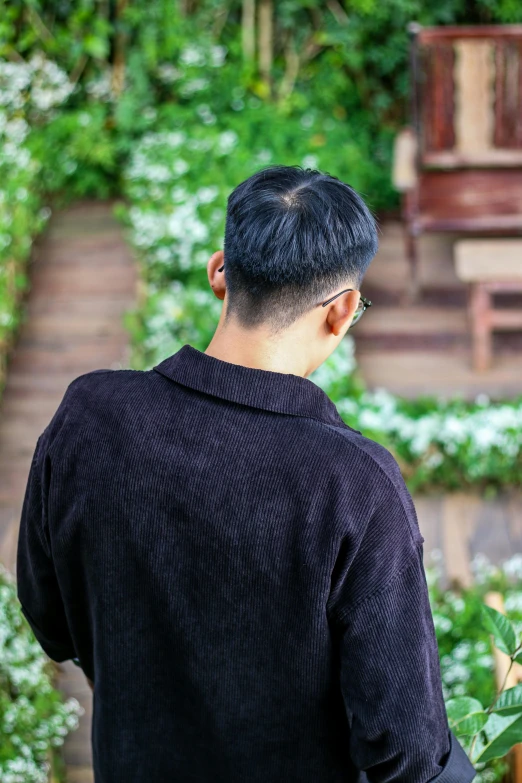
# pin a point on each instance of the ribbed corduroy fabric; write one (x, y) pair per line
(240, 574)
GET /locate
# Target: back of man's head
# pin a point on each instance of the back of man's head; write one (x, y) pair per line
(292, 237)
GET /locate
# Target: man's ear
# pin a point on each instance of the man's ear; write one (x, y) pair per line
(215, 278)
(341, 311)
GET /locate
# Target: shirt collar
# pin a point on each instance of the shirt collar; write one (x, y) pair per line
(270, 391)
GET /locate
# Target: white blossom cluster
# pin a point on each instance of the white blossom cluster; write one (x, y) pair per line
(192, 57)
(39, 83)
(166, 217)
(30, 723)
(484, 570)
(177, 314)
(170, 238)
(444, 431)
(26, 88)
(100, 86)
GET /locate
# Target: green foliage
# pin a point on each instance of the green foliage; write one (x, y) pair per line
(34, 718)
(497, 738)
(466, 716)
(509, 702)
(466, 632)
(501, 629)
(344, 61)
(77, 153)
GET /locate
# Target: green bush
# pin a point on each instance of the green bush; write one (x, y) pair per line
(34, 718)
(464, 641)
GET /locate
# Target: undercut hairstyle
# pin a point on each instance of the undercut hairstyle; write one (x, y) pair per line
(293, 236)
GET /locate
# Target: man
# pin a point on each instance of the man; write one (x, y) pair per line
(238, 572)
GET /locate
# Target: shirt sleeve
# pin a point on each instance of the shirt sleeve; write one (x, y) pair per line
(37, 584)
(389, 663)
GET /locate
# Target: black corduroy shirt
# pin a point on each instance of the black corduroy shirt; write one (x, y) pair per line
(240, 574)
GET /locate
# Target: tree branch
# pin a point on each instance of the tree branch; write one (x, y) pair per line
(248, 29)
(338, 12)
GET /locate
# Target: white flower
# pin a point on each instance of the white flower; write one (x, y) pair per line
(217, 56)
(180, 166)
(227, 141)
(206, 115)
(307, 120)
(192, 55)
(513, 568)
(263, 156)
(310, 162)
(167, 73)
(193, 86)
(207, 195)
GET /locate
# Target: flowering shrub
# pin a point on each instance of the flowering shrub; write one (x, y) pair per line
(444, 444)
(29, 92)
(34, 719)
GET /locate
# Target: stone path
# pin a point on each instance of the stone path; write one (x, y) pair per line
(84, 278)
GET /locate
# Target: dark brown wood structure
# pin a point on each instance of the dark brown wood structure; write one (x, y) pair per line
(459, 164)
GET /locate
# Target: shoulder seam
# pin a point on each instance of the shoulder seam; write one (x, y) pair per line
(84, 374)
(385, 474)
(409, 562)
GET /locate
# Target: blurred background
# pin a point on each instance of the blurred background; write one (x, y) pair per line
(124, 125)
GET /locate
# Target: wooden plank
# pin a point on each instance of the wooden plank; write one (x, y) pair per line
(449, 32)
(513, 510)
(508, 114)
(437, 98)
(479, 260)
(427, 320)
(482, 198)
(446, 374)
(474, 96)
(494, 158)
(491, 534)
(457, 528)
(429, 515)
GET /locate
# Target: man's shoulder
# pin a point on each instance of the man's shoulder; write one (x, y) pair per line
(92, 391)
(367, 450)
(375, 472)
(100, 380)
(370, 461)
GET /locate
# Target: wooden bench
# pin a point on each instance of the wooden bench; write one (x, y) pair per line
(490, 266)
(459, 163)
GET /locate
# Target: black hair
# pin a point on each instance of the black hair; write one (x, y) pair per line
(292, 236)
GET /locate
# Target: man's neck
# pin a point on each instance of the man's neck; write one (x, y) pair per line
(254, 349)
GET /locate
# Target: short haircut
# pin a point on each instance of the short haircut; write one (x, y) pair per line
(292, 236)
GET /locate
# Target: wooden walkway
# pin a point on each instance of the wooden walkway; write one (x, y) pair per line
(84, 278)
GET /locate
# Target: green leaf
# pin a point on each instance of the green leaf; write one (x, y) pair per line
(509, 702)
(465, 715)
(96, 47)
(502, 732)
(501, 629)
